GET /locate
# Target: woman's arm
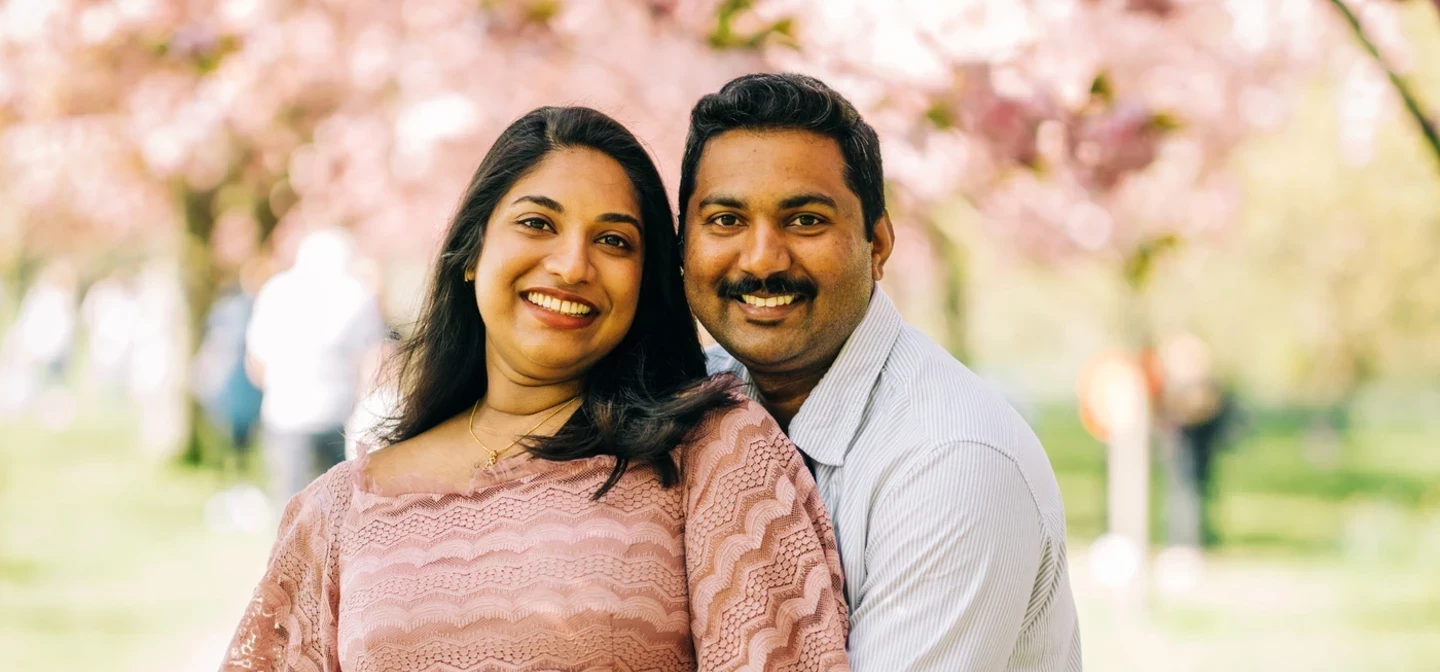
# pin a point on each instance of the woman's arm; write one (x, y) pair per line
(290, 622)
(766, 590)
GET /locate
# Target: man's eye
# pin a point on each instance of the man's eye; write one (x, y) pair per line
(726, 220)
(805, 221)
(535, 223)
(614, 240)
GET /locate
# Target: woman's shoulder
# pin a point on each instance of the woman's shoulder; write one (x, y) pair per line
(738, 408)
(382, 461)
(426, 462)
(334, 484)
(323, 501)
(743, 426)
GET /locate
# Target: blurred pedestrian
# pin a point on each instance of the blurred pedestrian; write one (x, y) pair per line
(311, 332)
(1195, 409)
(39, 347)
(159, 351)
(47, 321)
(221, 384)
(109, 312)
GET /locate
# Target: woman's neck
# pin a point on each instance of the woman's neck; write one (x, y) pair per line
(511, 394)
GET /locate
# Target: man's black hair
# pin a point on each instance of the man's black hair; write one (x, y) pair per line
(781, 101)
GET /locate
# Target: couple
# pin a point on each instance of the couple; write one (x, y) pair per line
(567, 487)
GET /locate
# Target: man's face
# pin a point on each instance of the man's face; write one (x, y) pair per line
(777, 267)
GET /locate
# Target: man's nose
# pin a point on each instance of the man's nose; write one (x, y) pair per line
(765, 251)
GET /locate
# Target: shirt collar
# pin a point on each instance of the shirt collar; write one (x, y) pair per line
(827, 422)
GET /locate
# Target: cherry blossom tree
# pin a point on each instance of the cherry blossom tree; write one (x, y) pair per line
(203, 129)
(193, 128)
(1416, 109)
(1073, 127)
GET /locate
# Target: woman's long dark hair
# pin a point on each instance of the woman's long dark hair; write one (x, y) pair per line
(641, 400)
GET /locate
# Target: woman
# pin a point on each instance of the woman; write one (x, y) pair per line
(563, 488)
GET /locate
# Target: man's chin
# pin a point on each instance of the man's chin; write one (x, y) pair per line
(772, 352)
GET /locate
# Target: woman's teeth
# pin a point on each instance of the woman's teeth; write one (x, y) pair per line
(768, 301)
(555, 305)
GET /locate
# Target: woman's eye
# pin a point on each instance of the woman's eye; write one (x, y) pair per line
(535, 223)
(614, 240)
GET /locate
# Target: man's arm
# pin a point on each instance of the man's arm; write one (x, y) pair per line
(955, 545)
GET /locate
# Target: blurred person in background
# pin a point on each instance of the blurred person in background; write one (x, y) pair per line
(311, 332)
(563, 488)
(1196, 410)
(40, 345)
(948, 514)
(159, 349)
(221, 384)
(109, 312)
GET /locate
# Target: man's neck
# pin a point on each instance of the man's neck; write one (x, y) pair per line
(783, 394)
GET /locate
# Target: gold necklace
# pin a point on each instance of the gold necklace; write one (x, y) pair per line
(495, 454)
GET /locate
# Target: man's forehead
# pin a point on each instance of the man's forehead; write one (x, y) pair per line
(773, 143)
(771, 165)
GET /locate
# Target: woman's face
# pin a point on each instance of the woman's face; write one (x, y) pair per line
(558, 278)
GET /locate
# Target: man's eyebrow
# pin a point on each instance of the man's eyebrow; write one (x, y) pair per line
(542, 201)
(620, 218)
(723, 201)
(800, 200)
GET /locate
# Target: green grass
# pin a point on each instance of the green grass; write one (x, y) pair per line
(1277, 490)
(1295, 614)
(1327, 557)
(105, 562)
(1328, 565)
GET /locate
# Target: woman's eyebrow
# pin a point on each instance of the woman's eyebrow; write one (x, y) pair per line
(542, 201)
(620, 218)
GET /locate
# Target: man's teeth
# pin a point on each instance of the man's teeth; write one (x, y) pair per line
(768, 301)
(555, 305)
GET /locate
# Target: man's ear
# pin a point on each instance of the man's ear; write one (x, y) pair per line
(882, 243)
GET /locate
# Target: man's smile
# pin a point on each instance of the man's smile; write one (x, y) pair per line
(768, 308)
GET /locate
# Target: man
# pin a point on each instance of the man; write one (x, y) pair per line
(950, 524)
(313, 330)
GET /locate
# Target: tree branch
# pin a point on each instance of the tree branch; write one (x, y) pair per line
(1412, 105)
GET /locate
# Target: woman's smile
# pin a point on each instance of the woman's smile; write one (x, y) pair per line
(560, 310)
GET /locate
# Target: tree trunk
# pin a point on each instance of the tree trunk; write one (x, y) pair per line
(950, 253)
(198, 274)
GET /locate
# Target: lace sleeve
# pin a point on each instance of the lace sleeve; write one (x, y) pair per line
(766, 590)
(289, 624)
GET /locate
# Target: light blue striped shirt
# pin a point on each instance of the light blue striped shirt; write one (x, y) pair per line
(949, 520)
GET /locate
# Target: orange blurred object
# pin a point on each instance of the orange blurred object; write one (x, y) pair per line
(1111, 387)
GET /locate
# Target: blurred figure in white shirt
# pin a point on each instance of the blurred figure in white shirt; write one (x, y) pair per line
(313, 330)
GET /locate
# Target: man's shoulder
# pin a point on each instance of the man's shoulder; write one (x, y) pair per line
(947, 401)
(952, 412)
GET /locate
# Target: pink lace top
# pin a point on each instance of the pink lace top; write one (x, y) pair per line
(734, 569)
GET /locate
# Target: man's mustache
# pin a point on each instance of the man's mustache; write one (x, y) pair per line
(774, 285)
